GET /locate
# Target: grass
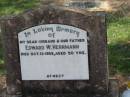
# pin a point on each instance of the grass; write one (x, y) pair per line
(119, 45)
(16, 6)
(2, 71)
(118, 35)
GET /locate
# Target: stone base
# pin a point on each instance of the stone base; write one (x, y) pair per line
(13, 95)
(4, 94)
(113, 92)
(57, 95)
(67, 95)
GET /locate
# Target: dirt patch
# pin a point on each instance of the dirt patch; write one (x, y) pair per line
(122, 81)
(121, 7)
(2, 83)
(115, 5)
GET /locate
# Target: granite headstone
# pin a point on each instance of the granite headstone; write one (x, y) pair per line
(56, 52)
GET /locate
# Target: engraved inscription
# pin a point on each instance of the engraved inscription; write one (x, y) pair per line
(53, 52)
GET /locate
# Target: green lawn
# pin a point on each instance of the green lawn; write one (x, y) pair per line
(2, 71)
(8, 7)
(118, 35)
(119, 45)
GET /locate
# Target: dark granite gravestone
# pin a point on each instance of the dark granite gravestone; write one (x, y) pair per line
(20, 82)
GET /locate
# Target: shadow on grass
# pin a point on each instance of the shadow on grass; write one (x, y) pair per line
(119, 58)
